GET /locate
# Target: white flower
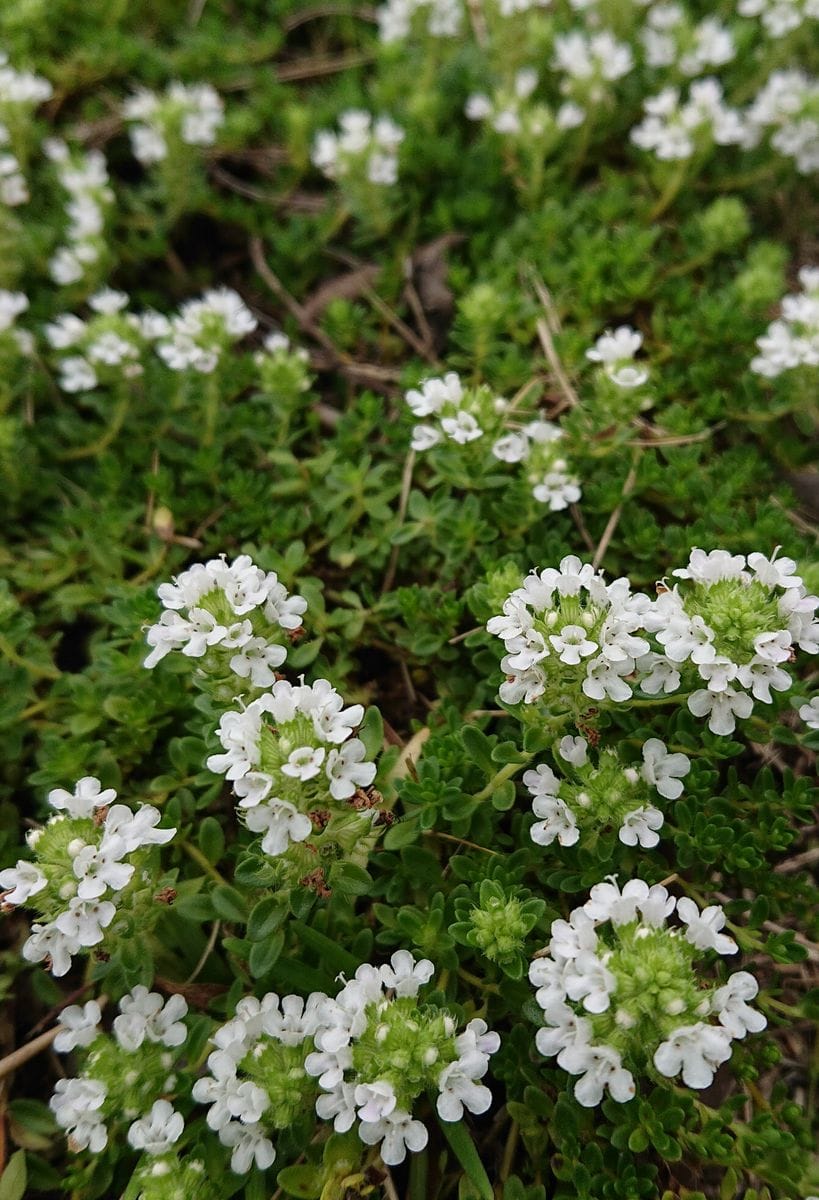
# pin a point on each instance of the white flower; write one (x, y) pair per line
(158, 1130)
(604, 680)
(144, 1016)
(404, 975)
(573, 750)
(397, 1133)
(47, 941)
(84, 920)
(304, 763)
(79, 1026)
(703, 927)
(640, 827)
(347, 771)
(600, 1067)
(457, 1089)
(557, 821)
(697, 1051)
(99, 867)
(136, 829)
(572, 645)
(76, 1104)
(733, 1013)
(810, 713)
(250, 1147)
(280, 822)
(374, 1101)
(663, 770)
(88, 795)
(587, 979)
(608, 903)
(722, 708)
(20, 882)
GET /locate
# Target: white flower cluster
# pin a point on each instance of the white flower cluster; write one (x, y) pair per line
(122, 1074)
(508, 113)
(619, 991)
(780, 17)
(20, 93)
(793, 340)
(670, 40)
(372, 1050)
(13, 186)
(606, 795)
(21, 89)
(676, 130)
(375, 1017)
(306, 760)
(590, 62)
(735, 621)
(84, 176)
(438, 18)
(236, 607)
(106, 349)
(12, 304)
(83, 864)
(187, 114)
(615, 351)
(788, 105)
(365, 148)
(463, 415)
(567, 628)
(203, 329)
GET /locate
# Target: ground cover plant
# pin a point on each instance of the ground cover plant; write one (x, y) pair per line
(407, 682)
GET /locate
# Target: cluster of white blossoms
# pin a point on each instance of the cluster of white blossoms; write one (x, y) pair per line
(363, 1056)
(508, 113)
(780, 17)
(674, 129)
(127, 1073)
(198, 336)
(671, 40)
(568, 633)
(84, 176)
(615, 350)
(292, 759)
(809, 713)
(621, 996)
(793, 340)
(20, 94)
(592, 797)
(461, 414)
(12, 304)
(107, 349)
(397, 19)
(13, 186)
(233, 617)
(466, 414)
(88, 861)
(731, 624)
(589, 63)
(189, 115)
(787, 110)
(364, 149)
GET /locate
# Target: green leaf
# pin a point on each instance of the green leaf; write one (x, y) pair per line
(229, 904)
(463, 1147)
(302, 1181)
(263, 955)
(211, 839)
(330, 952)
(15, 1177)
(265, 918)
(371, 732)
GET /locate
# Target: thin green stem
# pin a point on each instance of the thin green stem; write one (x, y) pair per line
(198, 857)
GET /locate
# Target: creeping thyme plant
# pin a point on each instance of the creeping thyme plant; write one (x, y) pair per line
(409, 611)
